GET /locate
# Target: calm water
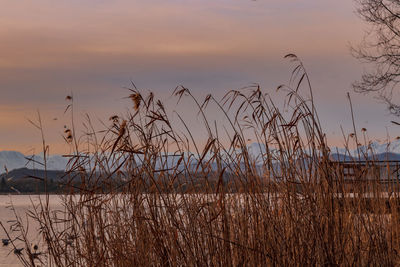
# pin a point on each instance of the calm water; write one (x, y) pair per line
(21, 203)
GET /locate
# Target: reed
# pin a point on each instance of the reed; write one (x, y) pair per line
(183, 202)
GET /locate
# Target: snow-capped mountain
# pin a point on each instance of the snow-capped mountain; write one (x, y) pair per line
(15, 160)
(11, 160)
(374, 148)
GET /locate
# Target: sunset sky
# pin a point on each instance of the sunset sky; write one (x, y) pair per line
(93, 49)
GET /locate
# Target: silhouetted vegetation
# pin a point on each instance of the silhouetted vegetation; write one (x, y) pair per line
(291, 205)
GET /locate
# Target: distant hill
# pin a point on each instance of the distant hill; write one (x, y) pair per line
(25, 173)
(22, 181)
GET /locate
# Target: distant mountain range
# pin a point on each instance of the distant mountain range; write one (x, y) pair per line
(373, 151)
(379, 151)
(386, 156)
(16, 160)
(376, 147)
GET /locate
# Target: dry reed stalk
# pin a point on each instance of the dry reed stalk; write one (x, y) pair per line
(147, 199)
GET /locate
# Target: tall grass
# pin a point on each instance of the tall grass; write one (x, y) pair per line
(185, 202)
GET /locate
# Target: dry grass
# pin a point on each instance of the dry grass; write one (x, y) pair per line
(181, 203)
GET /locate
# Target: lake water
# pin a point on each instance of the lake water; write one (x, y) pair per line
(21, 204)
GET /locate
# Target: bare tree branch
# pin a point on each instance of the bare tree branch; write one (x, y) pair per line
(380, 48)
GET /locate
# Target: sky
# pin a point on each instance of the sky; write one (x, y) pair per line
(93, 49)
